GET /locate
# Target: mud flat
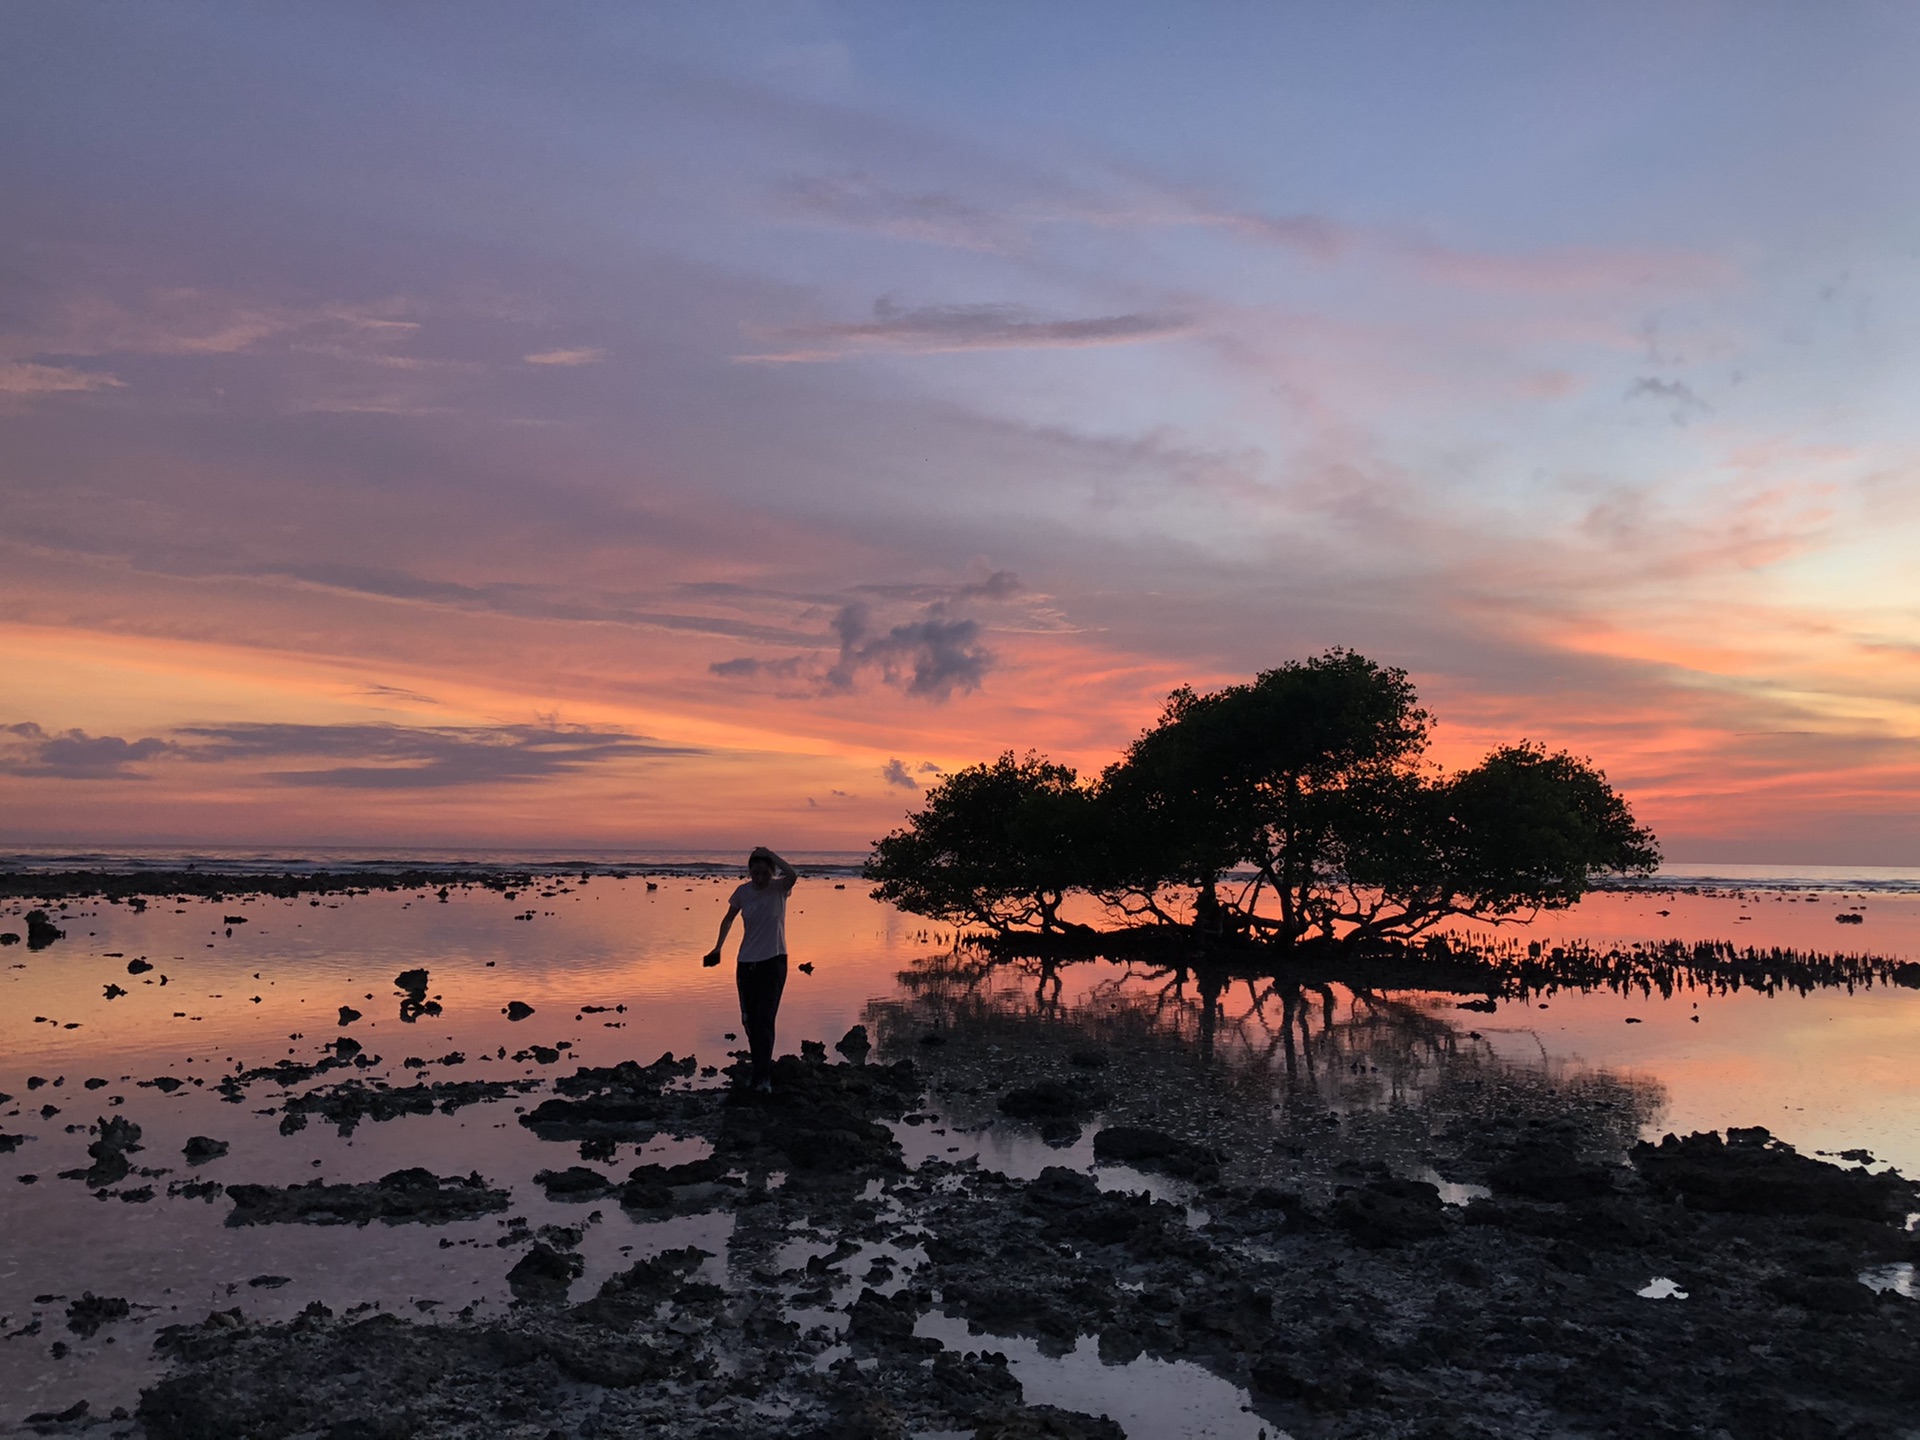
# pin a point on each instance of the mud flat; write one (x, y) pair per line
(1711, 1285)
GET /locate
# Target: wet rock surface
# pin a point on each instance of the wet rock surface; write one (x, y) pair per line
(1307, 1252)
(404, 1195)
(1346, 1298)
(345, 1104)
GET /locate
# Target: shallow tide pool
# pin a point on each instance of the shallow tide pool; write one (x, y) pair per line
(610, 968)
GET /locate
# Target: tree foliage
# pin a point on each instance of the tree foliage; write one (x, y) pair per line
(1302, 792)
(999, 844)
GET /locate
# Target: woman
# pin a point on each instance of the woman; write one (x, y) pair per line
(760, 971)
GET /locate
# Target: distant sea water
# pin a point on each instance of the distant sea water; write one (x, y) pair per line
(235, 860)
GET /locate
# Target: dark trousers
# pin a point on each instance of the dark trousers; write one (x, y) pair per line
(760, 984)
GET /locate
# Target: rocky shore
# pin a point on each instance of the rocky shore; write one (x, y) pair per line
(1706, 1286)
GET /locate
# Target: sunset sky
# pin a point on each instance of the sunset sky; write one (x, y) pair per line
(468, 424)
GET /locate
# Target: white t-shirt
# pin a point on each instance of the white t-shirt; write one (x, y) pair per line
(763, 917)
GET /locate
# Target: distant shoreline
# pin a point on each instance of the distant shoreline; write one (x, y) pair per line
(214, 883)
(24, 875)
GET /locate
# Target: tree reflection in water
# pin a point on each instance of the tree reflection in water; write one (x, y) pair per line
(1225, 1050)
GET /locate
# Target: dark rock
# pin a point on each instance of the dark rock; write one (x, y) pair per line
(138, 967)
(1548, 1173)
(635, 1293)
(883, 1320)
(412, 982)
(1389, 1213)
(86, 1315)
(576, 1182)
(1823, 1294)
(41, 932)
(348, 1014)
(855, 1045)
(74, 1412)
(200, 1149)
(11, 1143)
(543, 1274)
(404, 1195)
(118, 1138)
(517, 1010)
(1758, 1175)
(269, 1282)
(1146, 1149)
(1047, 1422)
(346, 1104)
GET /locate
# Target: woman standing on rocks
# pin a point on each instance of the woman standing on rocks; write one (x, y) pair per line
(760, 971)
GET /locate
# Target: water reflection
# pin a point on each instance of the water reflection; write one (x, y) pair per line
(1303, 1079)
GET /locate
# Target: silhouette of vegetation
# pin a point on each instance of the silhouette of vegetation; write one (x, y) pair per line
(1305, 790)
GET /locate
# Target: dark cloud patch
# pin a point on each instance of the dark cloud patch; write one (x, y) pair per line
(397, 757)
(395, 692)
(930, 657)
(945, 329)
(75, 755)
(1685, 400)
(894, 772)
(529, 602)
(746, 667)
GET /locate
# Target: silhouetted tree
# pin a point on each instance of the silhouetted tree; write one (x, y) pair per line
(1311, 777)
(1271, 774)
(998, 844)
(1524, 830)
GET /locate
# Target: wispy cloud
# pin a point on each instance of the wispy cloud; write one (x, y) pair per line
(398, 757)
(860, 202)
(20, 379)
(346, 756)
(894, 772)
(948, 329)
(566, 358)
(186, 321)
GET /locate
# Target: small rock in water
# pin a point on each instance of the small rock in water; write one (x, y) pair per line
(855, 1045)
(576, 1182)
(348, 1014)
(544, 1274)
(517, 1010)
(41, 932)
(75, 1411)
(86, 1315)
(200, 1149)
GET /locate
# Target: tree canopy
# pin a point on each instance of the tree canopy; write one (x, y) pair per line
(1304, 792)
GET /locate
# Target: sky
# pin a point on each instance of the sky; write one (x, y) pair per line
(706, 425)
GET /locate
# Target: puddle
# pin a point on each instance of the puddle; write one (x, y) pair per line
(1452, 1192)
(1897, 1277)
(1148, 1398)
